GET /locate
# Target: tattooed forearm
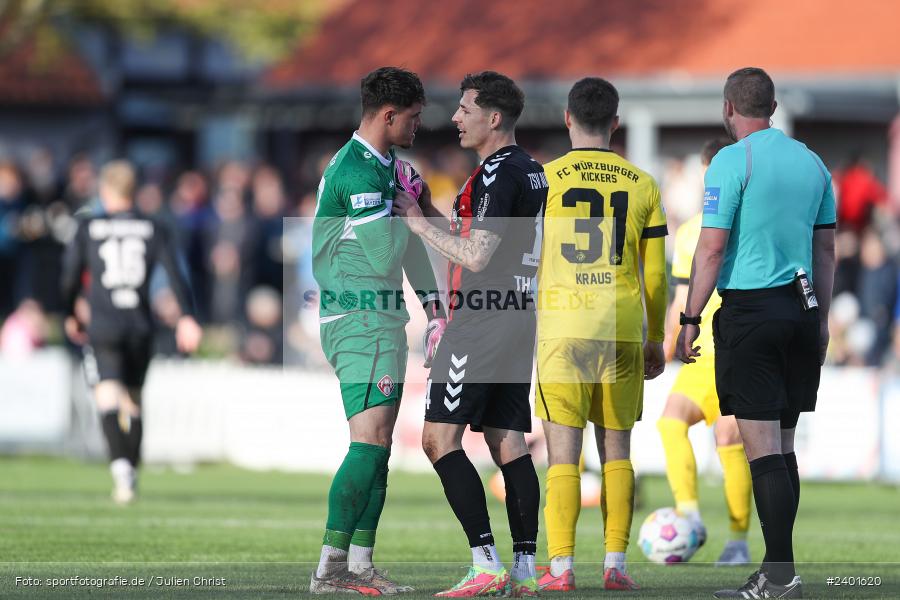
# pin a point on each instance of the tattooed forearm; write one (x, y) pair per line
(473, 252)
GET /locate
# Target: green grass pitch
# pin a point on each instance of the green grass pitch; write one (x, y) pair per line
(261, 532)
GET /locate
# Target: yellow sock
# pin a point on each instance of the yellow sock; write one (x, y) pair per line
(738, 488)
(562, 509)
(681, 466)
(617, 503)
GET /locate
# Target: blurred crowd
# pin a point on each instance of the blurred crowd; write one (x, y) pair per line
(250, 269)
(228, 225)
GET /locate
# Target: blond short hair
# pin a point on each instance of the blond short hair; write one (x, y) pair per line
(120, 177)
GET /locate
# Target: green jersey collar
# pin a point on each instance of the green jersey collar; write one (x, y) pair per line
(386, 161)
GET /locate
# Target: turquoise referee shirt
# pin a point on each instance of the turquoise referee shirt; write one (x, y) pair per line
(771, 191)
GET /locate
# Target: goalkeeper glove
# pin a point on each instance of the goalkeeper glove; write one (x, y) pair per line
(437, 323)
(408, 178)
(433, 332)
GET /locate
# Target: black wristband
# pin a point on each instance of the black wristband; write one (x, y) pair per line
(686, 320)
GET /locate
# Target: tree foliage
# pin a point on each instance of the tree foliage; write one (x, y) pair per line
(262, 30)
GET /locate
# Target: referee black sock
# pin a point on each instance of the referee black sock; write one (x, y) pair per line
(115, 439)
(775, 504)
(465, 493)
(790, 460)
(523, 499)
(133, 440)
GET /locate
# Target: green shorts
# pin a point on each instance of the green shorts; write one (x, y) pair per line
(368, 352)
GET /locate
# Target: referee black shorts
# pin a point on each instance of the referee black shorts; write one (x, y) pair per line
(767, 355)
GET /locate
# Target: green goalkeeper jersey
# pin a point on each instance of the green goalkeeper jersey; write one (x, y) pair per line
(358, 247)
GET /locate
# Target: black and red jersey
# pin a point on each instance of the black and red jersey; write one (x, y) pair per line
(120, 251)
(505, 194)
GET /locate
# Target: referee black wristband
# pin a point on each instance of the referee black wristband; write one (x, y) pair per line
(686, 320)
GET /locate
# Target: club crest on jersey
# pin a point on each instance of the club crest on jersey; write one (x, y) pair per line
(386, 385)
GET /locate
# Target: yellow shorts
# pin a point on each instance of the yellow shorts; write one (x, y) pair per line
(697, 383)
(590, 380)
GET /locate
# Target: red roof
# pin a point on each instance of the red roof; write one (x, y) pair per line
(567, 39)
(64, 79)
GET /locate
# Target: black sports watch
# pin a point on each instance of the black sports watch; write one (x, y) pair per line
(686, 320)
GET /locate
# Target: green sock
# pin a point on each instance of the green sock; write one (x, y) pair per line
(351, 490)
(368, 522)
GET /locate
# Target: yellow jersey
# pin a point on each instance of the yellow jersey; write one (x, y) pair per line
(686, 238)
(599, 208)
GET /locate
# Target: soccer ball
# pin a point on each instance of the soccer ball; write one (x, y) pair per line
(666, 537)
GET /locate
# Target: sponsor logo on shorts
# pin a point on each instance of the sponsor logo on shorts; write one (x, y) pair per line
(386, 385)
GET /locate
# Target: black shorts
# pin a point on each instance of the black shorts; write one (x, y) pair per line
(481, 375)
(125, 360)
(767, 355)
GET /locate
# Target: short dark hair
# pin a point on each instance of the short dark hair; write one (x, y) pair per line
(593, 103)
(712, 147)
(390, 86)
(497, 92)
(752, 92)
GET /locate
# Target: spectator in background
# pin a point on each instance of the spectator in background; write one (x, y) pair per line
(682, 189)
(850, 336)
(847, 271)
(190, 204)
(859, 192)
(262, 340)
(150, 201)
(46, 226)
(80, 187)
(229, 239)
(12, 202)
(892, 362)
(452, 169)
(235, 176)
(268, 212)
(877, 292)
(24, 331)
(43, 183)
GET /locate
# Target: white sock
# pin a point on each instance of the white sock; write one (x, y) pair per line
(486, 557)
(561, 564)
(615, 560)
(330, 561)
(360, 558)
(523, 566)
(122, 473)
